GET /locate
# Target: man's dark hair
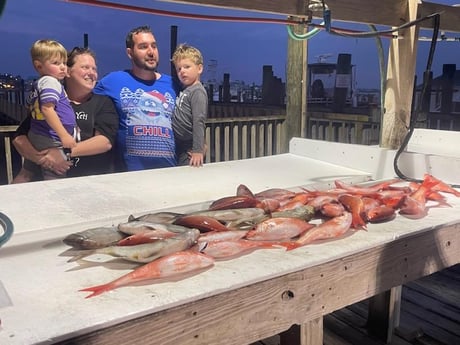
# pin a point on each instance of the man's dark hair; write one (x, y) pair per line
(135, 31)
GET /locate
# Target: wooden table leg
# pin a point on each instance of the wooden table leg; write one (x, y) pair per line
(310, 333)
(384, 313)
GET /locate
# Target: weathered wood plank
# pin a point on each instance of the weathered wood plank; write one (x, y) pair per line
(351, 326)
(413, 319)
(388, 12)
(434, 321)
(438, 285)
(296, 90)
(400, 80)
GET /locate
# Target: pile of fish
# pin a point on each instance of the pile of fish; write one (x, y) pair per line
(169, 244)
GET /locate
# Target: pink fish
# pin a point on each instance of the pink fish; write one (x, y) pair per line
(275, 193)
(230, 249)
(332, 209)
(165, 267)
(278, 229)
(318, 201)
(334, 227)
(369, 203)
(202, 223)
(298, 200)
(441, 186)
(380, 213)
(414, 205)
(365, 190)
(355, 205)
(230, 235)
(268, 205)
(146, 237)
(243, 190)
(231, 202)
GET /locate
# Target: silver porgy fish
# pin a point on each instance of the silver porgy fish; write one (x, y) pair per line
(148, 252)
(137, 226)
(157, 217)
(94, 238)
(236, 215)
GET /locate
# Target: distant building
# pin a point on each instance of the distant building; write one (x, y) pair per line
(444, 94)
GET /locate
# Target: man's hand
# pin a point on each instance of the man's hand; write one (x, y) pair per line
(55, 161)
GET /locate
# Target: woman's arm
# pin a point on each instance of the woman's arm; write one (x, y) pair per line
(92, 146)
(27, 150)
(105, 130)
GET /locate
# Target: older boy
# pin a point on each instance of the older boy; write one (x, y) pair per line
(191, 107)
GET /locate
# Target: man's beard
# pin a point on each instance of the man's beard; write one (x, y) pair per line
(145, 66)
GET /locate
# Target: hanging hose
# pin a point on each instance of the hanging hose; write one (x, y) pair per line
(414, 117)
(301, 37)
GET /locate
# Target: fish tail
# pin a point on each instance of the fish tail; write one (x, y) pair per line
(99, 289)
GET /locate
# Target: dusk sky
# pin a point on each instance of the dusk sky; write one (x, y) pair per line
(240, 49)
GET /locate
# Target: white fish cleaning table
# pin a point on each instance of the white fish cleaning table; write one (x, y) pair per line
(238, 301)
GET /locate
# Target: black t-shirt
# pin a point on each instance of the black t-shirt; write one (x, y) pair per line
(97, 113)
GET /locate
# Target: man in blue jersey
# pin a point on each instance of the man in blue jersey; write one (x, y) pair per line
(144, 100)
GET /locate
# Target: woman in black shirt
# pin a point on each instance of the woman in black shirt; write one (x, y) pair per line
(96, 117)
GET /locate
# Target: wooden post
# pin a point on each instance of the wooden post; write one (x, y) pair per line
(296, 89)
(172, 48)
(400, 82)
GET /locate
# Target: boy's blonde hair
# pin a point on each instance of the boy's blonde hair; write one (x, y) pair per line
(185, 51)
(43, 50)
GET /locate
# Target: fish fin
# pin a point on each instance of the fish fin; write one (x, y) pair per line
(131, 218)
(81, 256)
(291, 245)
(98, 289)
(202, 246)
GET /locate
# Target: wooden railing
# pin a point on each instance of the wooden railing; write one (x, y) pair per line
(15, 111)
(241, 138)
(344, 131)
(6, 132)
(226, 138)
